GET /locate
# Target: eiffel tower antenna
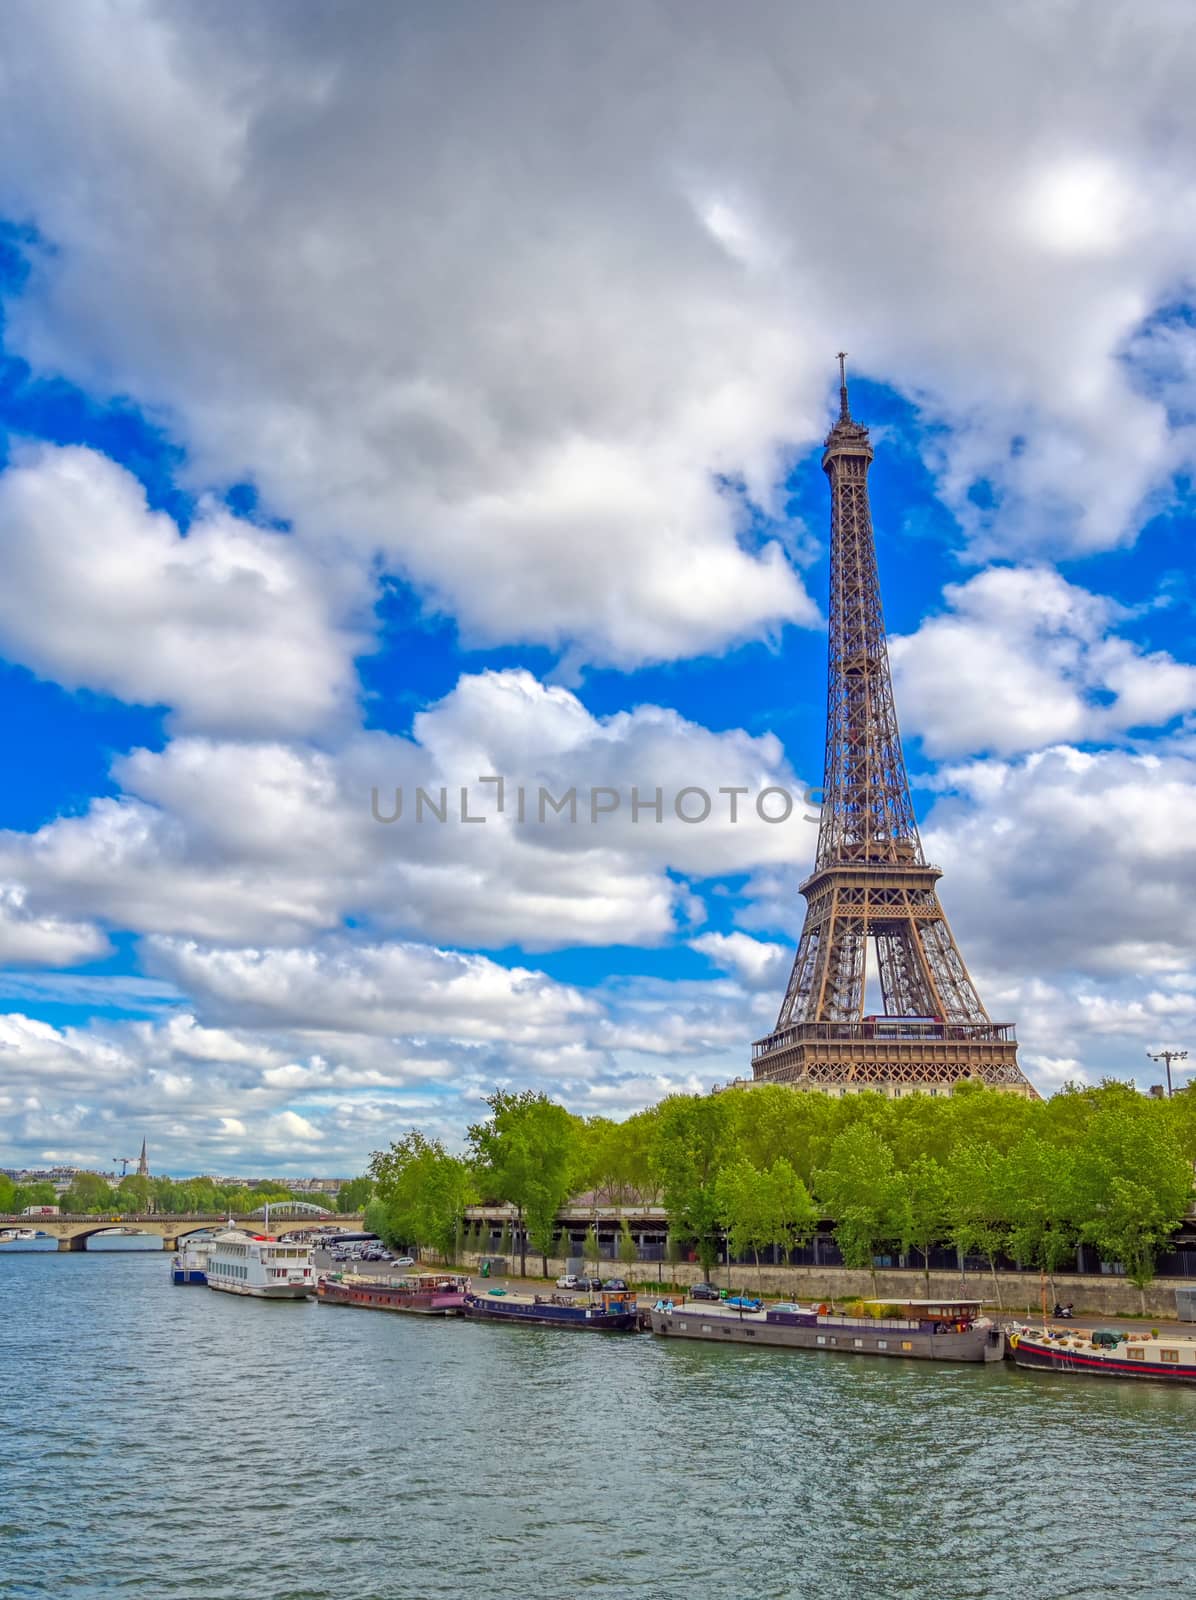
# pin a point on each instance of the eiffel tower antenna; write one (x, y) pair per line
(871, 883)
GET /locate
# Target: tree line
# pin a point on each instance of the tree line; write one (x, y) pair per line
(984, 1173)
(91, 1194)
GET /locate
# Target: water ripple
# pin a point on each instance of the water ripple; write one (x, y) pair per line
(159, 1442)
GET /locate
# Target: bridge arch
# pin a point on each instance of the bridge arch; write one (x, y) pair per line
(73, 1232)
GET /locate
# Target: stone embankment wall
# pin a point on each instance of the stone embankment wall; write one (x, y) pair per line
(1013, 1291)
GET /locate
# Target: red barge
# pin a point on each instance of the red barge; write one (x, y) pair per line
(429, 1294)
(1106, 1353)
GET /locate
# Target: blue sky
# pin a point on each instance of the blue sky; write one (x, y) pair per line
(347, 446)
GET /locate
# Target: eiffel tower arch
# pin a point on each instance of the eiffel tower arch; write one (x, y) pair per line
(871, 881)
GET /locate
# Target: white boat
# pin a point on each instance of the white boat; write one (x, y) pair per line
(254, 1264)
(191, 1263)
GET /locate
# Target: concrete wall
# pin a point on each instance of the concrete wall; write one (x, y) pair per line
(1018, 1291)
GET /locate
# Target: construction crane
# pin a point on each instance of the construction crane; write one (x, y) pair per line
(125, 1163)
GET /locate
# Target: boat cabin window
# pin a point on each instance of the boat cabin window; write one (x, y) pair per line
(1135, 1352)
(1168, 1355)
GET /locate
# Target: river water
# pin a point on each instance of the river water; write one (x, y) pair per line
(165, 1442)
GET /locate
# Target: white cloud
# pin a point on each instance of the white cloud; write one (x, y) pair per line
(269, 842)
(1024, 659)
(233, 627)
(292, 1055)
(1071, 862)
(757, 964)
(37, 940)
(548, 353)
(529, 347)
(386, 989)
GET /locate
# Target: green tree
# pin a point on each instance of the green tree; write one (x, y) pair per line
(764, 1208)
(1181, 1118)
(862, 1190)
(89, 1192)
(628, 1252)
(773, 1122)
(423, 1191)
(672, 1253)
(591, 1249)
(1132, 1184)
(979, 1205)
(376, 1219)
(8, 1191)
(352, 1196)
(526, 1153)
(42, 1193)
(1041, 1203)
(133, 1193)
(639, 1173)
(696, 1140)
(928, 1210)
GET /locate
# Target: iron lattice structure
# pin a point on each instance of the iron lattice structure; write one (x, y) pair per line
(871, 880)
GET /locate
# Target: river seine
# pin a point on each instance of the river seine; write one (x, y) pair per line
(165, 1442)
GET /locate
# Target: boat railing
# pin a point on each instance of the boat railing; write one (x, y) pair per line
(869, 1322)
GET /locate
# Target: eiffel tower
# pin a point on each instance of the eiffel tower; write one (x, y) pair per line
(871, 880)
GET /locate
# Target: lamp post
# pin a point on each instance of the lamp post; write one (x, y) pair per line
(1169, 1056)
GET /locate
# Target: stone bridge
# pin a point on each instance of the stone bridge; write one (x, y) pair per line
(73, 1231)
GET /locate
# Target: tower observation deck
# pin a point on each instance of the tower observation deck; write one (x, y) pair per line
(872, 887)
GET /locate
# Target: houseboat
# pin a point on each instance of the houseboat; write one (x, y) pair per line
(255, 1264)
(430, 1294)
(918, 1330)
(612, 1311)
(190, 1266)
(1105, 1353)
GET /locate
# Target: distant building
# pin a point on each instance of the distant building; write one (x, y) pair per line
(60, 1177)
(329, 1186)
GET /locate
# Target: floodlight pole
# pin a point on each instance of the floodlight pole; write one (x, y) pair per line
(1168, 1056)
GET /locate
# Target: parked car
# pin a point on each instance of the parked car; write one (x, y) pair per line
(704, 1291)
(570, 1280)
(590, 1283)
(404, 1261)
(615, 1283)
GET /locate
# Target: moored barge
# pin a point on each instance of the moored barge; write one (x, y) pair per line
(612, 1311)
(918, 1330)
(429, 1294)
(1106, 1353)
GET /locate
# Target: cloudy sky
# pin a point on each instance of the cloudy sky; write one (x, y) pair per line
(397, 396)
